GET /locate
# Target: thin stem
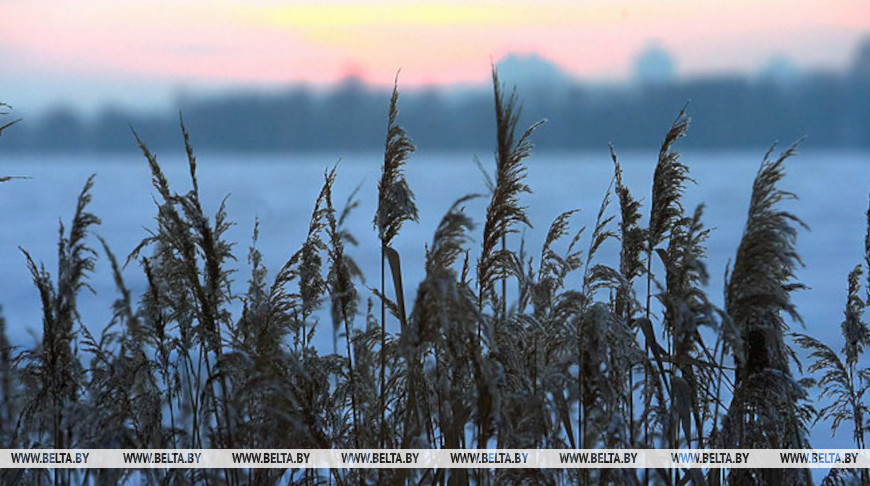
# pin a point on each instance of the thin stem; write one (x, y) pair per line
(381, 398)
(646, 443)
(347, 329)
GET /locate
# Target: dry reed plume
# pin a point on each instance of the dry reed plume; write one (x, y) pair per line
(587, 355)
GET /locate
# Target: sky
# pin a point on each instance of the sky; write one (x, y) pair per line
(142, 54)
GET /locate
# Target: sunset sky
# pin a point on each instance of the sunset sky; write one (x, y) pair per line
(91, 52)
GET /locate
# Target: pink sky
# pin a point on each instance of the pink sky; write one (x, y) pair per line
(160, 43)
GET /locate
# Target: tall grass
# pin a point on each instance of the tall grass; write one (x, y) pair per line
(3, 126)
(395, 206)
(766, 409)
(845, 382)
(4, 112)
(588, 354)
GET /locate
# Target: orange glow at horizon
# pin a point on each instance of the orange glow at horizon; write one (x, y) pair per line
(432, 42)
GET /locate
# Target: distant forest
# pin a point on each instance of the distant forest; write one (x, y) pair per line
(831, 110)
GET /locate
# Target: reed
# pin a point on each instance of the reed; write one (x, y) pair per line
(587, 354)
(395, 207)
(766, 410)
(4, 111)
